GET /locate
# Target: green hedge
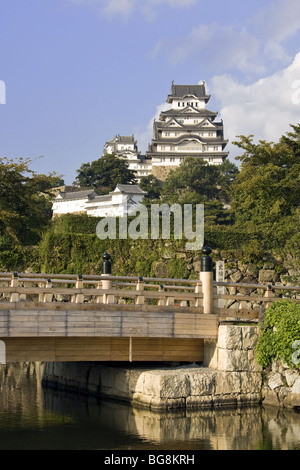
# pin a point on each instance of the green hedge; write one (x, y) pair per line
(71, 245)
(279, 330)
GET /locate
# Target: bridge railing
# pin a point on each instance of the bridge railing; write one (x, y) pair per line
(105, 289)
(248, 301)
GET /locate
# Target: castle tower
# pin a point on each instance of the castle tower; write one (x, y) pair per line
(187, 129)
(126, 147)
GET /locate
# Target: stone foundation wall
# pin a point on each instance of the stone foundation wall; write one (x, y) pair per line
(281, 386)
(161, 172)
(157, 389)
(228, 376)
(280, 271)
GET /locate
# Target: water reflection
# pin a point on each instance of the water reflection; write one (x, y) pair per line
(34, 418)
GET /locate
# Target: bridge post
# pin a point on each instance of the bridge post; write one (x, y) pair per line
(107, 283)
(198, 290)
(14, 296)
(48, 297)
(79, 285)
(140, 299)
(161, 301)
(269, 294)
(206, 277)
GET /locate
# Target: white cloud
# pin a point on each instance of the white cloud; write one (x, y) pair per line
(254, 48)
(265, 108)
(119, 7)
(220, 47)
(125, 8)
(279, 20)
(110, 7)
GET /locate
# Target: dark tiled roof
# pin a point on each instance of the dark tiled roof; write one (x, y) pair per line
(186, 154)
(100, 199)
(165, 126)
(200, 138)
(179, 114)
(122, 138)
(77, 195)
(180, 91)
(130, 189)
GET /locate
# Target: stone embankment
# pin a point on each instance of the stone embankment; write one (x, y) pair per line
(281, 386)
(278, 270)
(229, 376)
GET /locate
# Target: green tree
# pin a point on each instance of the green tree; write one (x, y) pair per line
(105, 173)
(268, 185)
(194, 180)
(228, 173)
(197, 182)
(150, 184)
(25, 203)
(266, 191)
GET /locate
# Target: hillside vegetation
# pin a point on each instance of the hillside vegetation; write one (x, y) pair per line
(251, 213)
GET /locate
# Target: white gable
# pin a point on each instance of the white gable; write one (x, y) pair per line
(172, 123)
(207, 123)
(190, 110)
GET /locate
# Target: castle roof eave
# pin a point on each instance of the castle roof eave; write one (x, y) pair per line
(186, 154)
(182, 91)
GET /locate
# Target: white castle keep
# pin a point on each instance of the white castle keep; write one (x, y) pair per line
(187, 129)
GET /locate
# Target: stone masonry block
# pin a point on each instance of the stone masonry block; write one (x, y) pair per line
(203, 383)
(175, 386)
(228, 384)
(251, 382)
(152, 383)
(233, 360)
(249, 337)
(230, 337)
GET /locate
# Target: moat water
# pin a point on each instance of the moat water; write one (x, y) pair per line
(34, 418)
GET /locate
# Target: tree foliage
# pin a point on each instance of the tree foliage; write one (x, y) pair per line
(25, 207)
(197, 182)
(192, 177)
(105, 173)
(266, 192)
(151, 186)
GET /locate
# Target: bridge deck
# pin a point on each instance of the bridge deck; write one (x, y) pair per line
(106, 318)
(34, 319)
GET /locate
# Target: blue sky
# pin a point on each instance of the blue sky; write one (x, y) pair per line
(78, 72)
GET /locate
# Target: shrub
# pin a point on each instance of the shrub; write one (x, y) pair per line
(279, 330)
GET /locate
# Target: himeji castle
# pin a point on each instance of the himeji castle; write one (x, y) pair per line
(187, 129)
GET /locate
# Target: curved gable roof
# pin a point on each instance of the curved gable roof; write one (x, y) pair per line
(181, 91)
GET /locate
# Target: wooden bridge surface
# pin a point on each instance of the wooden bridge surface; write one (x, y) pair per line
(98, 318)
